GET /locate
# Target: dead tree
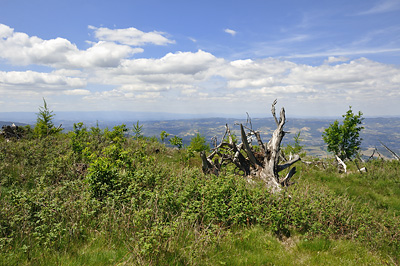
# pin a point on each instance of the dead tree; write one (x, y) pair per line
(12, 132)
(261, 162)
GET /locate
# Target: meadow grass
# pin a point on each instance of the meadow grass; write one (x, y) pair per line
(98, 198)
(379, 187)
(255, 246)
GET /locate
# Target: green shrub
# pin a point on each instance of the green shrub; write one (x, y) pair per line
(198, 143)
(79, 138)
(176, 141)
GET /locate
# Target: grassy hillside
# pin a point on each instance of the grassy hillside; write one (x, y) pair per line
(94, 197)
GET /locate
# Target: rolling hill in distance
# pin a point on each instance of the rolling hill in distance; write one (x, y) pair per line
(385, 129)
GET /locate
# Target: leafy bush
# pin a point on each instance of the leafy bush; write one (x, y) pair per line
(198, 143)
(163, 136)
(176, 141)
(117, 135)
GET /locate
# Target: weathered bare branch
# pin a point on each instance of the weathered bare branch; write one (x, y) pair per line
(285, 181)
(373, 153)
(248, 121)
(273, 112)
(208, 166)
(228, 131)
(255, 133)
(247, 148)
(392, 152)
(260, 142)
(214, 141)
(288, 163)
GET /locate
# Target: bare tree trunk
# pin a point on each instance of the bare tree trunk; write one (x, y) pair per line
(263, 164)
(341, 163)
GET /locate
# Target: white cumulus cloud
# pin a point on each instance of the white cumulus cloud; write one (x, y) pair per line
(20, 49)
(101, 54)
(31, 79)
(230, 31)
(180, 62)
(131, 36)
(77, 92)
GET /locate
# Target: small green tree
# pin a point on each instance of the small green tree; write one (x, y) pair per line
(78, 137)
(198, 143)
(344, 140)
(44, 124)
(295, 148)
(176, 141)
(137, 131)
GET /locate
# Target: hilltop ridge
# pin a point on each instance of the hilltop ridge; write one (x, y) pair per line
(385, 129)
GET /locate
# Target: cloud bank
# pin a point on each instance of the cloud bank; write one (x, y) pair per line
(107, 75)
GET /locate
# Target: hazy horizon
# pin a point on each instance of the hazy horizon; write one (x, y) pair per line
(125, 116)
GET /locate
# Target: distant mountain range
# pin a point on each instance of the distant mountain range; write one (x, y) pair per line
(103, 116)
(186, 126)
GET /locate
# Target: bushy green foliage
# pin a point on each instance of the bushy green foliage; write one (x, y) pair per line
(70, 197)
(79, 137)
(344, 140)
(163, 136)
(176, 141)
(198, 143)
(117, 135)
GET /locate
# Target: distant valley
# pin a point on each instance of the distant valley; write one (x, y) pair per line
(386, 129)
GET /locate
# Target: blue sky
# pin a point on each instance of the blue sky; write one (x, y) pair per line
(222, 57)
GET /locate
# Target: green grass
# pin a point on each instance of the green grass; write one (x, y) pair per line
(96, 251)
(379, 187)
(246, 246)
(255, 246)
(101, 199)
